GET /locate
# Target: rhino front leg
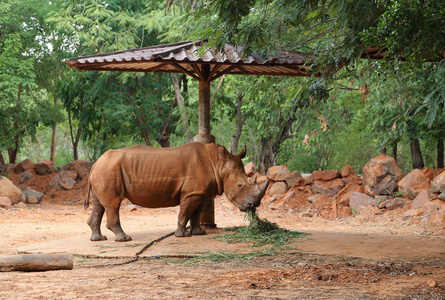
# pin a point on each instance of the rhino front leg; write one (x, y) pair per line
(186, 209)
(95, 219)
(114, 224)
(195, 222)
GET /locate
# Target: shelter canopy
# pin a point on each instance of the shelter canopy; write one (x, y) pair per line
(183, 58)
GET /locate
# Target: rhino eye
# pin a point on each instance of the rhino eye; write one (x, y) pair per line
(239, 185)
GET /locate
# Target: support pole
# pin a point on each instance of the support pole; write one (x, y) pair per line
(204, 136)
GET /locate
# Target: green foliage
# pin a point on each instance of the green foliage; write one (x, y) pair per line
(260, 232)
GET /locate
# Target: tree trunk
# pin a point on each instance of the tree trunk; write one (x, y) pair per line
(2, 159)
(180, 101)
(394, 150)
(74, 140)
(440, 156)
(267, 157)
(54, 138)
(239, 124)
(12, 151)
(416, 154)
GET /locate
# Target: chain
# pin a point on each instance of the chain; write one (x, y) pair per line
(136, 256)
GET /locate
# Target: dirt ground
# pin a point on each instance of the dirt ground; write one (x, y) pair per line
(353, 258)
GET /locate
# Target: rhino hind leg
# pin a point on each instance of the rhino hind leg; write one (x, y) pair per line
(114, 224)
(95, 219)
(190, 209)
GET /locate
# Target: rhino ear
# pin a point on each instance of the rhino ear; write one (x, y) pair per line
(242, 153)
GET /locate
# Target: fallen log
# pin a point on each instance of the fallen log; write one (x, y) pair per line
(36, 262)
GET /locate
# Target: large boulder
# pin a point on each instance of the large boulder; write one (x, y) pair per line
(8, 189)
(328, 188)
(278, 188)
(277, 173)
(24, 165)
(423, 198)
(380, 175)
(413, 183)
(438, 183)
(45, 167)
(5, 202)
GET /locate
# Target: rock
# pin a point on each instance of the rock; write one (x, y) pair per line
(432, 283)
(428, 173)
(67, 174)
(442, 196)
(359, 201)
(5, 202)
(308, 180)
(434, 212)
(131, 207)
(316, 197)
(81, 167)
(45, 167)
(413, 212)
(345, 198)
(67, 183)
(25, 176)
(250, 169)
(24, 165)
(391, 204)
(346, 171)
(278, 188)
(438, 183)
(277, 173)
(386, 186)
(21, 205)
(422, 198)
(32, 200)
(413, 183)
(326, 175)
(31, 193)
(8, 189)
(376, 170)
(261, 178)
(293, 179)
(328, 188)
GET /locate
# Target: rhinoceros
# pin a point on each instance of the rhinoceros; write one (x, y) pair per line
(187, 176)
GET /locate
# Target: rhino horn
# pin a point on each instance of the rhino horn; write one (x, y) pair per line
(261, 189)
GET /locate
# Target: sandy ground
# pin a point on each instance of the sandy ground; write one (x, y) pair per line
(352, 258)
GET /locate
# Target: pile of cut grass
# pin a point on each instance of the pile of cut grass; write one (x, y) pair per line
(260, 232)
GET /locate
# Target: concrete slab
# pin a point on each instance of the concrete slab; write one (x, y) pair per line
(170, 247)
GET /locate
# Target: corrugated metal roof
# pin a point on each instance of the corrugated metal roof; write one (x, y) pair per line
(183, 58)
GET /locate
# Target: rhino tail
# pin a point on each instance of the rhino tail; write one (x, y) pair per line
(86, 203)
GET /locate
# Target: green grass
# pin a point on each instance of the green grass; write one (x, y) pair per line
(260, 232)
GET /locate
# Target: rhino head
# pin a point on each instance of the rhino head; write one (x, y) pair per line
(241, 190)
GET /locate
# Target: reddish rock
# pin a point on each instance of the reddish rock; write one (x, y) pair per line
(346, 171)
(413, 183)
(8, 189)
(317, 197)
(277, 173)
(328, 188)
(293, 179)
(428, 173)
(422, 198)
(308, 180)
(250, 169)
(278, 188)
(81, 167)
(25, 176)
(413, 212)
(346, 193)
(438, 183)
(391, 204)
(326, 175)
(360, 201)
(261, 178)
(378, 169)
(24, 165)
(45, 167)
(67, 183)
(5, 202)
(434, 212)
